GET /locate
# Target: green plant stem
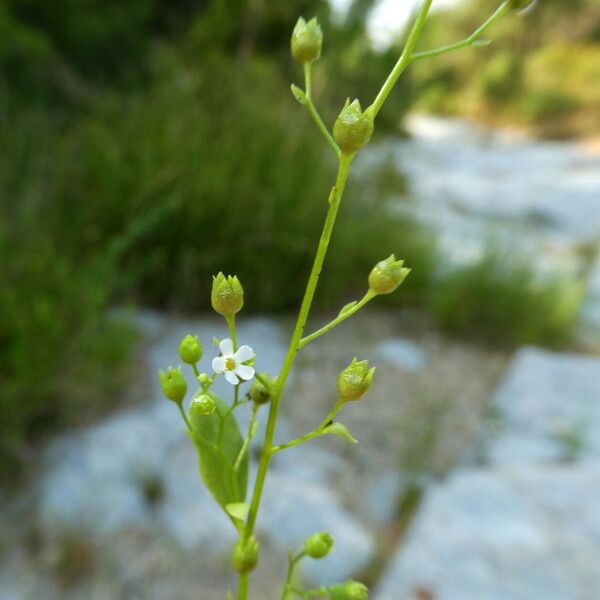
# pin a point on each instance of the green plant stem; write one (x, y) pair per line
(244, 585)
(251, 431)
(196, 372)
(267, 453)
(313, 434)
(341, 317)
(472, 40)
(262, 380)
(313, 110)
(293, 563)
(187, 421)
(232, 330)
(404, 59)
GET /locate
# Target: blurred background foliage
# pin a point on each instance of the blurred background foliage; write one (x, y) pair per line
(541, 71)
(150, 143)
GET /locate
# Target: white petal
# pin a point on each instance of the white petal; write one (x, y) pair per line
(243, 354)
(226, 347)
(244, 372)
(231, 377)
(218, 364)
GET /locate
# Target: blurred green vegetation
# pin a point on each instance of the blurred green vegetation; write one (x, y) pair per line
(501, 298)
(541, 71)
(153, 143)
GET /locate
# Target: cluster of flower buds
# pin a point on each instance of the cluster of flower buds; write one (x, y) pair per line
(227, 296)
(353, 128)
(245, 555)
(350, 590)
(318, 545)
(355, 380)
(307, 41)
(387, 275)
(173, 384)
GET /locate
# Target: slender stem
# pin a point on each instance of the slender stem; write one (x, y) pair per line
(262, 380)
(293, 562)
(313, 110)
(313, 434)
(251, 431)
(342, 176)
(187, 421)
(503, 9)
(196, 372)
(404, 59)
(341, 317)
(244, 585)
(232, 330)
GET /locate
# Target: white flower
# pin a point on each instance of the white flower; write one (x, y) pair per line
(231, 364)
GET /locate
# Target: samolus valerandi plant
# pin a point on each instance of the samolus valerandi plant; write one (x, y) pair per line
(211, 422)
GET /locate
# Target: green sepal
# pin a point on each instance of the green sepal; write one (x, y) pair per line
(298, 94)
(216, 459)
(341, 431)
(348, 307)
(238, 510)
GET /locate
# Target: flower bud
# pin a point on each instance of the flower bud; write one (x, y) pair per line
(350, 590)
(353, 127)
(173, 384)
(245, 555)
(227, 295)
(307, 41)
(355, 380)
(318, 545)
(190, 349)
(203, 406)
(203, 379)
(387, 275)
(521, 4)
(259, 394)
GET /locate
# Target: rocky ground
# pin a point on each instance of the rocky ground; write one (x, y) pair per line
(477, 471)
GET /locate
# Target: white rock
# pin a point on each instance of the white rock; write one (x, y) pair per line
(402, 353)
(299, 500)
(521, 534)
(543, 395)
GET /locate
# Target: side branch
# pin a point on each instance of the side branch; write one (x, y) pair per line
(472, 40)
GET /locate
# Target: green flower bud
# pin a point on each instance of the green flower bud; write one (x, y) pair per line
(259, 394)
(353, 127)
(203, 405)
(227, 295)
(318, 545)
(521, 4)
(245, 555)
(307, 41)
(387, 275)
(190, 349)
(350, 590)
(355, 380)
(203, 379)
(173, 384)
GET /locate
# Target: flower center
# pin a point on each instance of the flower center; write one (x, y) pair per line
(229, 364)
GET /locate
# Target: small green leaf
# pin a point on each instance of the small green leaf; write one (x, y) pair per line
(216, 342)
(341, 431)
(238, 510)
(298, 94)
(348, 307)
(218, 440)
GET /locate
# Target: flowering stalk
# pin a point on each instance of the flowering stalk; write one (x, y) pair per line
(211, 423)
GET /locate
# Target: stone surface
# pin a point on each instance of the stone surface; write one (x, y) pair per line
(524, 533)
(300, 499)
(545, 399)
(401, 353)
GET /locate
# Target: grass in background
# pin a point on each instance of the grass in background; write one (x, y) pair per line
(501, 299)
